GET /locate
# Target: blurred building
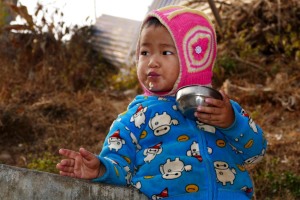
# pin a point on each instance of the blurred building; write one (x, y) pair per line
(116, 37)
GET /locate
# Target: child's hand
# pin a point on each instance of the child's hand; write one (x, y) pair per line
(219, 114)
(82, 164)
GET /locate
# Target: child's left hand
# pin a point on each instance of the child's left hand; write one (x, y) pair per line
(219, 113)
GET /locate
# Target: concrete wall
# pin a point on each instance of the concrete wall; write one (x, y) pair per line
(18, 183)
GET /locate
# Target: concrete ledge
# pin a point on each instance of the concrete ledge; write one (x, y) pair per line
(18, 183)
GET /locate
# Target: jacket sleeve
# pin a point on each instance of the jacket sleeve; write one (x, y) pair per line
(118, 154)
(245, 137)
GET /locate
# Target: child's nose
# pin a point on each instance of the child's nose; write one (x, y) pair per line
(154, 61)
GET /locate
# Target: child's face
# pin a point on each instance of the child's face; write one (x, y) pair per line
(158, 63)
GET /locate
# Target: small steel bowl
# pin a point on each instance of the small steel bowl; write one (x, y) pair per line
(190, 97)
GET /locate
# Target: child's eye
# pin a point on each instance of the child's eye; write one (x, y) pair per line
(167, 53)
(144, 53)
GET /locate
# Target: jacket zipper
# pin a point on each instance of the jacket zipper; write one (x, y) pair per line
(208, 164)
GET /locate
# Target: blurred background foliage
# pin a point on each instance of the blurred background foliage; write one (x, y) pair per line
(260, 37)
(54, 92)
(40, 54)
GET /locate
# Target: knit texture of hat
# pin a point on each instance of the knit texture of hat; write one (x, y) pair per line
(195, 40)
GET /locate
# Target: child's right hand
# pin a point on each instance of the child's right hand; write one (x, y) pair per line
(81, 164)
(219, 114)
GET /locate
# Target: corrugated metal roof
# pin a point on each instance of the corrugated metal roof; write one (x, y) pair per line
(116, 37)
(158, 4)
(113, 37)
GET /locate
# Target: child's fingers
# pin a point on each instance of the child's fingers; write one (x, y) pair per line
(67, 162)
(68, 153)
(65, 168)
(209, 109)
(213, 102)
(86, 154)
(207, 115)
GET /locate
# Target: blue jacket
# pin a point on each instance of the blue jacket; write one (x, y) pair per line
(154, 148)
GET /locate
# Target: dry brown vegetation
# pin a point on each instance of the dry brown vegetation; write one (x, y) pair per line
(59, 94)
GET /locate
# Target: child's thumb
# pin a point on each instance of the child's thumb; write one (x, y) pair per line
(86, 154)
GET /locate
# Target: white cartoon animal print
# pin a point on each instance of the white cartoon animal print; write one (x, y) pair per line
(115, 141)
(256, 158)
(161, 124)
(135, 142)
(139, 116)
(224, 174)
(173, 169)
(195, 151)
(251, 122)
(138, 185)
(151, 152)
(206, 127)
(162, 99)
(128, 175)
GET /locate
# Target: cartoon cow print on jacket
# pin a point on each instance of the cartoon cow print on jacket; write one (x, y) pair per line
(161, 124)
(174, 169)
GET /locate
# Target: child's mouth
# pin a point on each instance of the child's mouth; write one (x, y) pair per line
(152, 74)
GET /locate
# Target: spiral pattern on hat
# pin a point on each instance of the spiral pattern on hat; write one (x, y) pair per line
(199, 48)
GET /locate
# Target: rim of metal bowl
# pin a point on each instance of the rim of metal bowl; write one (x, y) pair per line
(198, 90)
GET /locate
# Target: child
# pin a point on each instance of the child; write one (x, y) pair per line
(152, 146)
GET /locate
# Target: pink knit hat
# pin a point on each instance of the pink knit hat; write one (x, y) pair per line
(195, 40)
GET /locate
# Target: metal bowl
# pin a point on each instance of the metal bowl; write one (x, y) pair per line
(190, 97)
